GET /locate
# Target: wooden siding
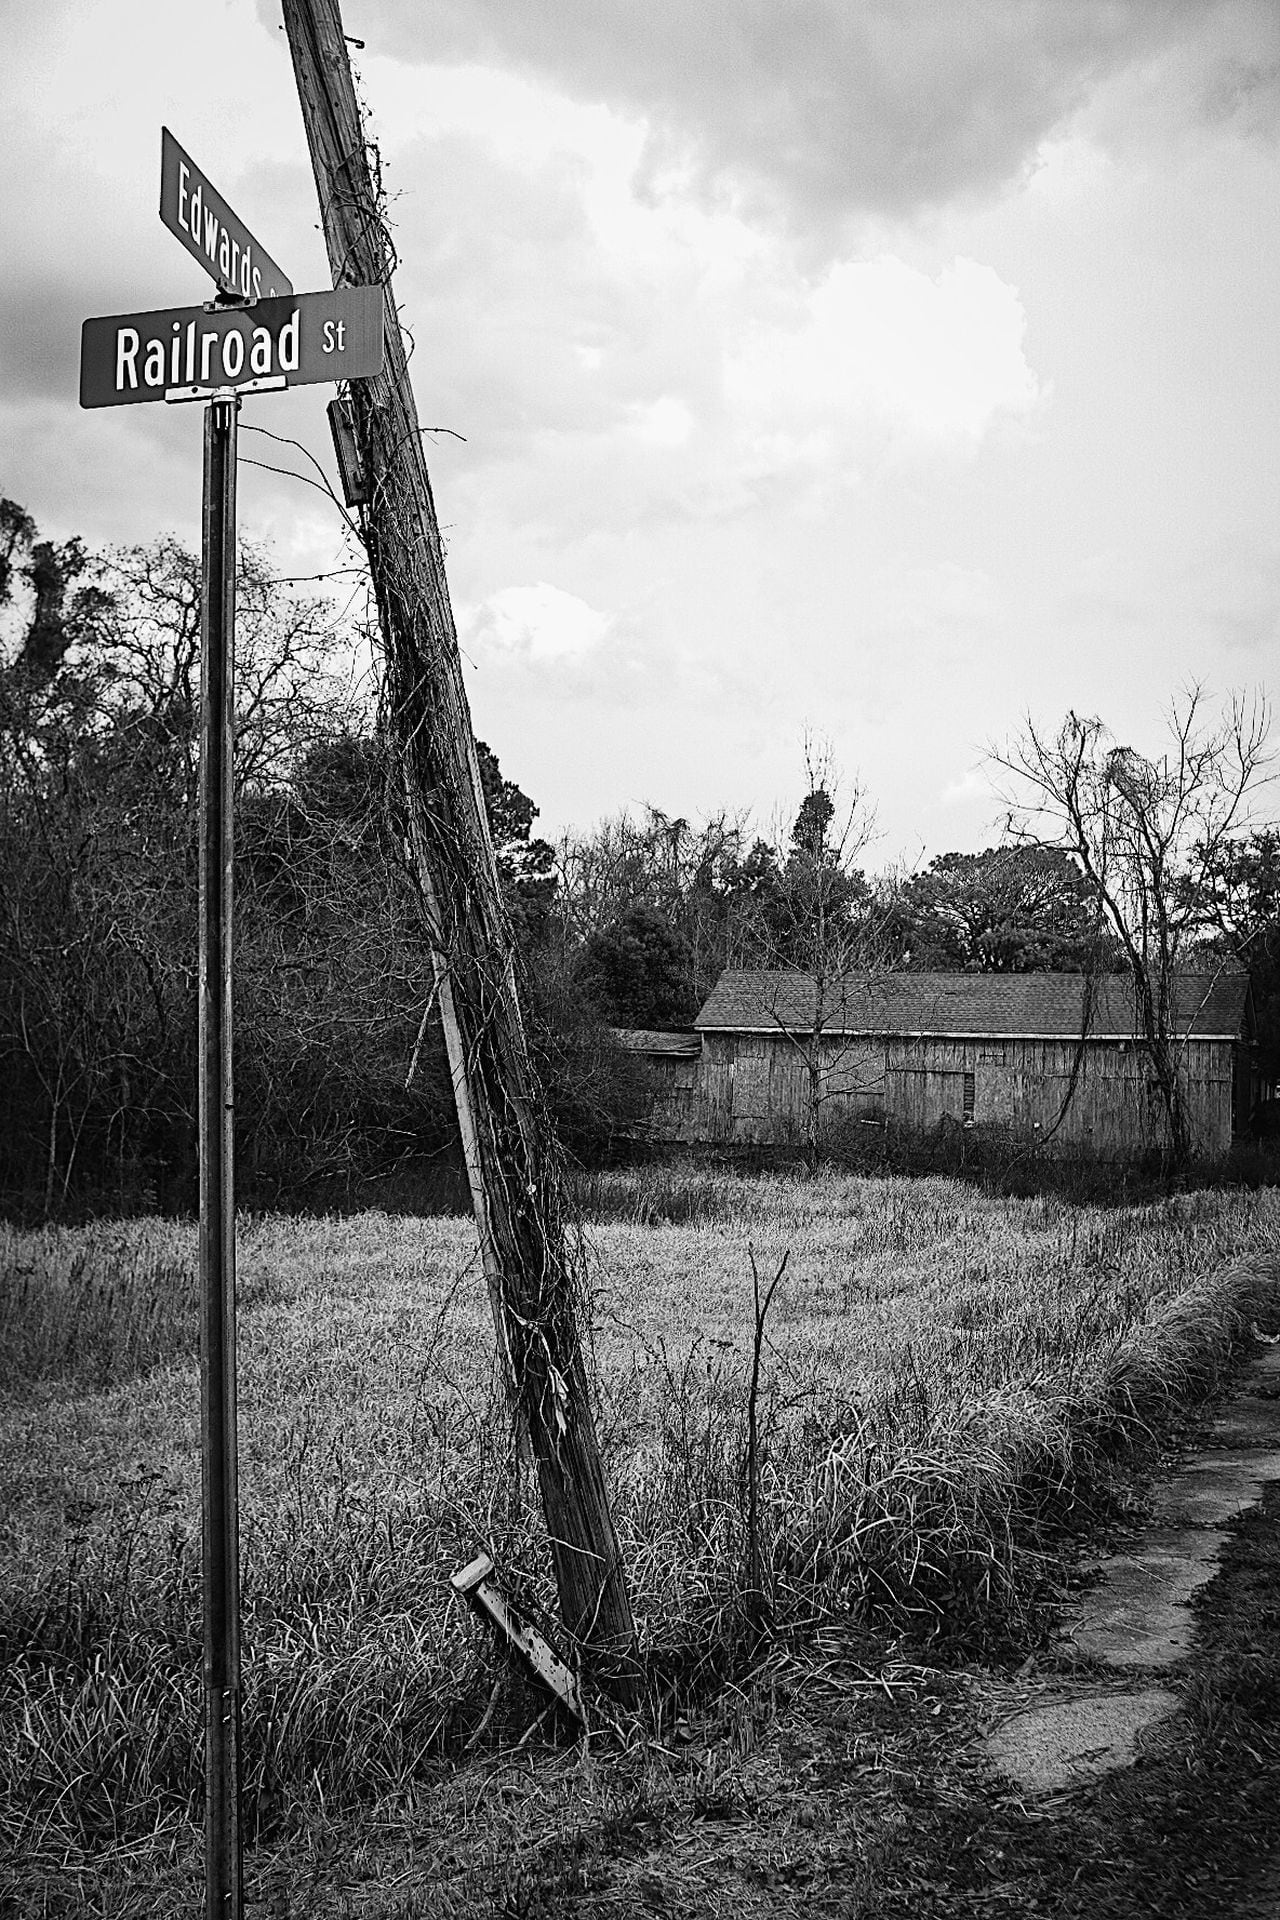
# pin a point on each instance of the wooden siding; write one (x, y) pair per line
(1022, 1087)
(755, 1088)
(675, 1106)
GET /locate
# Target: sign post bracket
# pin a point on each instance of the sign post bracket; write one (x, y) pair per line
(269, 383)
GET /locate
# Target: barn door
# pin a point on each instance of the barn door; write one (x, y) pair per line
(750, 1095)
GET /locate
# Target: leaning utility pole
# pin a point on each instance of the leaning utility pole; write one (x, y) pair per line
(517, 1187)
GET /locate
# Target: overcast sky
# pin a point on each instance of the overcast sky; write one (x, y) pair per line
(881, 368)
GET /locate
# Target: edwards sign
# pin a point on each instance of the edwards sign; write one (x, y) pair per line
(196, 213)
(188, 352)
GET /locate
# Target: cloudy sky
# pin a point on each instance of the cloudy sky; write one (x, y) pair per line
(885, 369)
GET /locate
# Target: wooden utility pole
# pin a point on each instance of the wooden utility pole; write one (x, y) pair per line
(530, 1255)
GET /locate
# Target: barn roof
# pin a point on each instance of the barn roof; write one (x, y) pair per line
(684, 1046)
(1029, 1005)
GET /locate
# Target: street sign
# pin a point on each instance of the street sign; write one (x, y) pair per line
(193, 209)
(186, 353)
(258, 335)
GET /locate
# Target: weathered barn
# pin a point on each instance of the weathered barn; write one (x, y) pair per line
(671, 1062)
(1012, 1053)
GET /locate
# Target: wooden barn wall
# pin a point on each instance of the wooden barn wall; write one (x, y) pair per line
(1021, 1085)
(754, 1087)
(675, 1104)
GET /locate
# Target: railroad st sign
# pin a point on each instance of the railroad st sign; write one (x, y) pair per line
(187, 353)
(193, 210)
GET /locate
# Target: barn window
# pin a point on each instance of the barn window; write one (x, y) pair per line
(968, 1099)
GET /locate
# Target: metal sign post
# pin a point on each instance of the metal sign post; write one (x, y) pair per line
(242, 343)
(220, 1533)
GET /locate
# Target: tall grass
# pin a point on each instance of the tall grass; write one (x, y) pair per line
(939, 1366)
(653, 1195)
(946, 1364)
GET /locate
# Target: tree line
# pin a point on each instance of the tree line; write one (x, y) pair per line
(341, 1082)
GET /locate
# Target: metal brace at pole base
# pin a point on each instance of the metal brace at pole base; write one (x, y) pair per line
(475, 1584)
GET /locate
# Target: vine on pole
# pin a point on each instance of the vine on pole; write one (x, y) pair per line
(532, 1256)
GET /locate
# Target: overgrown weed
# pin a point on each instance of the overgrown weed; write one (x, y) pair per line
(942, 1374)
(653, 1195)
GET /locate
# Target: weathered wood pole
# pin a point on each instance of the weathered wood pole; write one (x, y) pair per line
(532, 1260)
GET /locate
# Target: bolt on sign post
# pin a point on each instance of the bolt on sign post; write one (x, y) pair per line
(527, 1244)
(216, 354)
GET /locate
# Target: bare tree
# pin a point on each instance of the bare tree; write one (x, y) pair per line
(683, 871)
(97, 877)
(1148, 836)
(296, 672)
(813, 913)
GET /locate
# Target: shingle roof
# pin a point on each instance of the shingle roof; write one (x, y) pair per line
(685, 1046)
(1032, 1004)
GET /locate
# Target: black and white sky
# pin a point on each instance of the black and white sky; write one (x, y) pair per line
(878, 368)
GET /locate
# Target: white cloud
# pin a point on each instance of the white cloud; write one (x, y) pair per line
(886, 349)
(524, 123)
(658, 358)
(973, 784)
(538, 623)
(662, 423)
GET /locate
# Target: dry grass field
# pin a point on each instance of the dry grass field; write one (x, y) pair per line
(942, 1371)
